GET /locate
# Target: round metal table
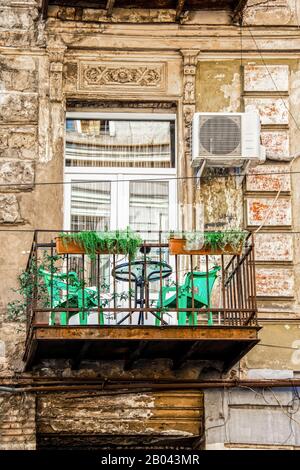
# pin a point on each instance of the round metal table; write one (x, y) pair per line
(141, 273)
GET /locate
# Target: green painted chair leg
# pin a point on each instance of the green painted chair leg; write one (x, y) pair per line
(83, 317)
(64, 318)
(210, 321)
(52, 319)
(193, 317)
(101, 318)
(182, 303)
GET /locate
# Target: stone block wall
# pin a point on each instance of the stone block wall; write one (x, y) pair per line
(17, 423)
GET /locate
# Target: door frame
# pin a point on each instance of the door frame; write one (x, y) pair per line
(119, 175)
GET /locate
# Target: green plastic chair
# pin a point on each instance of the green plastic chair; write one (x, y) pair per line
(202, 284)
(66, 292)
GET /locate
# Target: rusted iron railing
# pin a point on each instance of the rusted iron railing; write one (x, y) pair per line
(154, 289)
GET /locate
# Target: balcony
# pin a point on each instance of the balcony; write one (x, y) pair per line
(159, 305)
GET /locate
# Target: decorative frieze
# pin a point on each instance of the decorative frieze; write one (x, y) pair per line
(119, 15)
(265, 211)
(97, 75)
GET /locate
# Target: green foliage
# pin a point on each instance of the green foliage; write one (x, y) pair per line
(117, 241)
(31, 284)
(212, 240)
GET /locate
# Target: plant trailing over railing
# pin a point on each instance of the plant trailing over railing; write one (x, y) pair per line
(31, 284)
(32, 287)
(227, 241)
(92, 242)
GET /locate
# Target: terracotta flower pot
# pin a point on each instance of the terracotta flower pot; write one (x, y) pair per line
(74, 248)
(177, 247)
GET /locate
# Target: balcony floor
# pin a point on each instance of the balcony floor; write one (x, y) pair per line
(131, 343)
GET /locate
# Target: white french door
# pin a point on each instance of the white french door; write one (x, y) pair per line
(110, 199)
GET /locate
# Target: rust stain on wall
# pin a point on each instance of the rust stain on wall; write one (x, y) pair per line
(270, 78)
(277, 144)
(274, 247)
(271, 110)
(258, 210)
(260, 179)
(274, 282)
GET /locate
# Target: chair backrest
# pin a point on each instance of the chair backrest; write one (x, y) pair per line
(202, 283)
(59, 285)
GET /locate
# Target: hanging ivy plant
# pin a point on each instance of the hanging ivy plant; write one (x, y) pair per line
(31, 283)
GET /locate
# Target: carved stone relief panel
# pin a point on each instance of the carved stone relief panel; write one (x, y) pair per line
(111, 75)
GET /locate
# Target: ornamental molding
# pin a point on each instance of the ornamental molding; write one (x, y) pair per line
(95, 75)
(56, 58)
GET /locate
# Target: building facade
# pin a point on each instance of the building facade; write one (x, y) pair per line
(117, 69)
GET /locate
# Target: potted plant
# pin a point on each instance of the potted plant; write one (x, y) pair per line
(107, 242)
(207, 243)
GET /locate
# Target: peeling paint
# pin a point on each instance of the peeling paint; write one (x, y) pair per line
(271, 110)
(274, 282)
(258, 210)
(274, 247)
(266, 78)
(260, 178)
(276, 144)
(232, 92)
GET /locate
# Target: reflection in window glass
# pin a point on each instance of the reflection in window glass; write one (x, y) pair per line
(105, 142)
(149, 207)
(90, 206)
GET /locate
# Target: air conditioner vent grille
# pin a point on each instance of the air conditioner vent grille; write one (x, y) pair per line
(220, 135)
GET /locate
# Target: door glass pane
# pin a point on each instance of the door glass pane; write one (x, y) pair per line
(90, 210)
(120, 143)
(149, 207)
(90, 206)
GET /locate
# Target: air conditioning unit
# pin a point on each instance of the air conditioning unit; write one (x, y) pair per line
(226, 139)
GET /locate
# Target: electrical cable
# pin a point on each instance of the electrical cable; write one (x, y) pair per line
(205, 178)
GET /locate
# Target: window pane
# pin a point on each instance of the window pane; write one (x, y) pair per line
(90, 206)
(149, 207)
(125, 143)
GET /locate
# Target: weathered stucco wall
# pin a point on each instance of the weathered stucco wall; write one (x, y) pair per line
(273, 88)
(161, 418)
(252, 419)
